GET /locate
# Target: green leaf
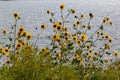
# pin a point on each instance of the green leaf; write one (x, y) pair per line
(70, 47)
(89, 27)
(108, 53)
(70, 44)
(55, 47)
(101, 61)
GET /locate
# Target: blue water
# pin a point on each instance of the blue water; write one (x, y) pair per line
(33, 13)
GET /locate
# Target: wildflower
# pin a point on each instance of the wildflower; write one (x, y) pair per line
(110, 40)
(17, 51)
(74, 25)
(81, 60)
(116, 53)
(62, 6)
(78, 42)
(25, 33)
(56, 36)
(59, 27)
(76, 55)
(74, 38)
(88, 46)
(43, 26)
(90, 50)
(82, 15)
(4, 31)
(66, 34)
(107, 46)
(83, 37)
(21, 29)
(73, 11)
(18, 45)
(78, 22)
(44, 49)
(6, 50)
(16, 15)
(60, 23)
(23, 43)
(96, 53)
(7, 61)
(29, 36)
(66, 28)
(106, 36)
(110, 23)
(58, 55)
(84, 26)
(98, 32)
(48, 11)
(90, 15)
(54, 25)
(105, 20)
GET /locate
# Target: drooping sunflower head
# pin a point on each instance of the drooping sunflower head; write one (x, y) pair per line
(16, 15)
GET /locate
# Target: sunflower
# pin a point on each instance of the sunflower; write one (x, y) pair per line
(62, 6)
(66, 29)
(88, 46)
(84, 26)
(107, 46)
(98, 32)
(81, 60)
(16, 15)
(58, 55)
(60, 23)
(7, 61)
(4, 31)
(66, 34)
(106, 36)
(73, 11)
(18, 45)
(83, 37)
(96, 53)
(82, 16)
(74, 38)
(104, 20)
(110, 23)
(54, 25)
(25, 33)
(6, 50)
(59, 27)
(78, 42)
(17, 51)
(74, 25)
(29, 36)
(78, 22)
(76, 55)
(116, 54)
(43, 26)
(90, 15)
(90, 50)
(48, 11)
(110, 40)
(56, 37)
(44, 49)
(23, 43)
(21, 29)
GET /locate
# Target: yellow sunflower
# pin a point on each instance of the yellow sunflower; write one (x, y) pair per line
(83, 37)
(116, 54)
(90, 15)
(21, 29)
(48, 11)
(16, 15)
(58, 55)
(56, 37)
(62, 6)
(29, 36)
(82, 16)
(43, 26)
(73, 11)
(4, 31)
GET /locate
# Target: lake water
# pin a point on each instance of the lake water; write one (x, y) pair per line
(33, 13)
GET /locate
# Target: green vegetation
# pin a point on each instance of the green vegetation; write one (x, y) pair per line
(79, 55)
